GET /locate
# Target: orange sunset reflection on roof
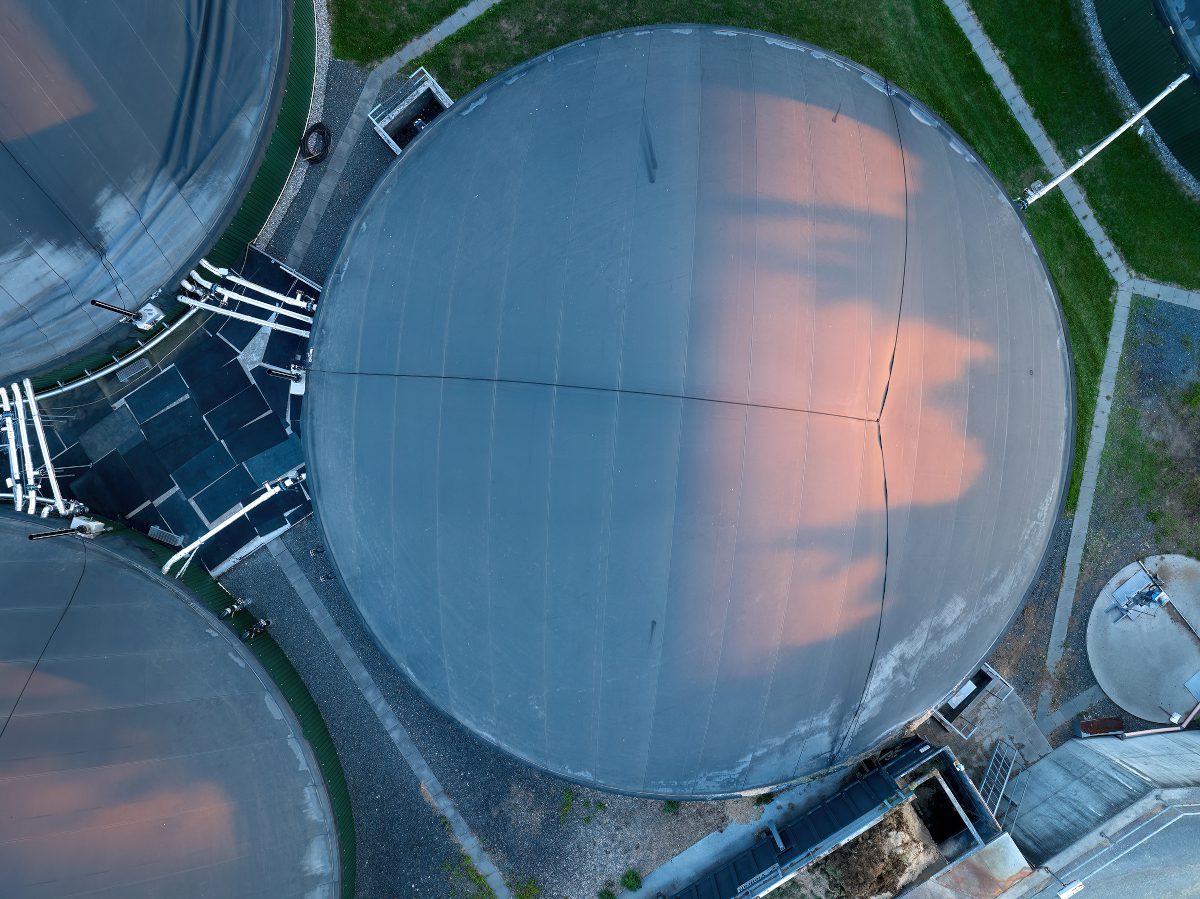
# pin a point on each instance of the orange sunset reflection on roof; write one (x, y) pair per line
(40, 90)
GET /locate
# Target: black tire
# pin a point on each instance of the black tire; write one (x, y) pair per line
(316, 143)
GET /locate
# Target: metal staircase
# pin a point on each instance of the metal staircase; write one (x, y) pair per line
(996, 775)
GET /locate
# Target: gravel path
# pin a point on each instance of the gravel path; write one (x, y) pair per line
(568, 839)
(299, 175)
(368, 161)
(403, 850)
(344, 84)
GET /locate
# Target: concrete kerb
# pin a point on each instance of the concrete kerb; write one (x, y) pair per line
(1076, 706)
(1127, 286)
(1131, 823)
(1007, 86)
(1168, 293)
(430, 785)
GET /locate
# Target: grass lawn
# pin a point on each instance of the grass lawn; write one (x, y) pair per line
(1151, 467)
(916, 44)
(1086, 290)
(1152, 221)
(366, 31)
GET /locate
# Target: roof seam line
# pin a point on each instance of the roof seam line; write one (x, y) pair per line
(618, 390)
(879, 432)
(882, 600)
(904, 261)
(46, 645)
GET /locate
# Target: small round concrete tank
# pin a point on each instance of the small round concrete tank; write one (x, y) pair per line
(129, 131)
(689, 410)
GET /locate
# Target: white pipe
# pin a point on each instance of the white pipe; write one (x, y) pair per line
(49, 503)
(1036, 195)
(219, 272)
(158, 338)
(272, 487)
(291, 301)
(207, 285)
(31, 477)
(242, 298)
(41, 435)
(245, 318)
(18, 494)
(120, 363)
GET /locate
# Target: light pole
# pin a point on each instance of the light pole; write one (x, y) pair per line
(1032, 196)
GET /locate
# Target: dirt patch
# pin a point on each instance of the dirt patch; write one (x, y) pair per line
(876, 865)
(1020, 655)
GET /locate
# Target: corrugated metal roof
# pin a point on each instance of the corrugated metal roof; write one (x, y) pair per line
(847, 812)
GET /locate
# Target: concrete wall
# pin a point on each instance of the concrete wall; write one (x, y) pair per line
(1084, 783)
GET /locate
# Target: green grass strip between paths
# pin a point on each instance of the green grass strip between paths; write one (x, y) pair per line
(366, 31)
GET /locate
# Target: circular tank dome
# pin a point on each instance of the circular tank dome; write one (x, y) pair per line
(129, 133)
(143, 751)
(690, 409)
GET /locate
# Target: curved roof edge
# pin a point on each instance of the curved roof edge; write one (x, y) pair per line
(849, 742)
(110, 341)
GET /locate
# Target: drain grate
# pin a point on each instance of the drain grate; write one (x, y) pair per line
(164, 536)
(124, 375)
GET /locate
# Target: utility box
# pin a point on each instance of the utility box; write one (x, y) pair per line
(147, 317)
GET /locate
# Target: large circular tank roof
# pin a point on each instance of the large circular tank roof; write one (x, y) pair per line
(128, 132)
(143, 751)
(689, 410)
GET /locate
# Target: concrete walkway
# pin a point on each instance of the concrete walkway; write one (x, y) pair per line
(430, 785)
(1127, 286)
(359, 118)
(1168, 293)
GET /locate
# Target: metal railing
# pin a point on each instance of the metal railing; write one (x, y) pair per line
(965, 725)
(417, 85)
